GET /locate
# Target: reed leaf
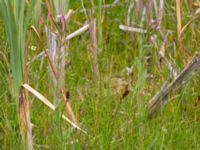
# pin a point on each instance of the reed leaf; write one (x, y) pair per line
(16, 18)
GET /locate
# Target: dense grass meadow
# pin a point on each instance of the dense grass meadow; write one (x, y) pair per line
(81, 74)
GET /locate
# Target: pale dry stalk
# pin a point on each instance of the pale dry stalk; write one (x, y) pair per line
(49, 104)
(160, 99)
(93, 40)
(178, 16)
(24, 120)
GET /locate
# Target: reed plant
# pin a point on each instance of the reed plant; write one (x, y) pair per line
(16, 17)
(139, 54)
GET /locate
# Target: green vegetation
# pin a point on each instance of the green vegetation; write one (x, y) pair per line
(113, 109)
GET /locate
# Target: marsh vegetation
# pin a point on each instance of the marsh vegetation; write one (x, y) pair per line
(99, 74)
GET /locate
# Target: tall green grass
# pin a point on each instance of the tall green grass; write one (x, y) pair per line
(16, 17)
(94, 105)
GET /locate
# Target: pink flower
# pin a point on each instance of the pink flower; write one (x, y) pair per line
(152, 20)
(60, 18)
(158, 27)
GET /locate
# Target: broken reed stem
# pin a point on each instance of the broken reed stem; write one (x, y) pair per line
(68, 108)
(77, 32)
(178, 16)
(58, 67)
(49, 104)
(24, 120)
(93, 40)
(132, 29)
(67, 105)
(28, 121)
(160, 99)
(67, 38)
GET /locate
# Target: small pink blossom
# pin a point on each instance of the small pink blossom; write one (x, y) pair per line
(60, 18)
(152, 20)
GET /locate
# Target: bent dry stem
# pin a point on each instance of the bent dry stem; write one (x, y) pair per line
(160, 99)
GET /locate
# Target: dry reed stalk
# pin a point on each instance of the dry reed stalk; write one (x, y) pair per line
(60, 64)
(178, 16)
(56, 55)
(53, 56)
(68, 108)
(77, 32)
(59, 76)
(67, 38)
(52, 66)
(132, 29)
(24, 115)
(93, 40)
(160, 99)
(49, 104)
(24, 120)
(67, 105)
(161, 10)
(62, 51)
